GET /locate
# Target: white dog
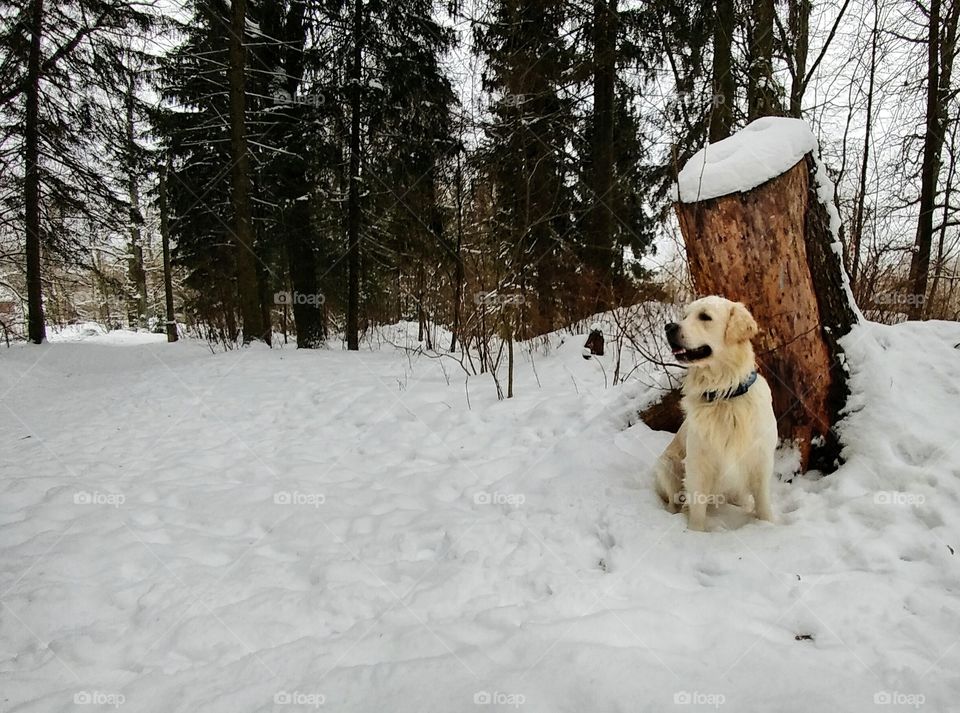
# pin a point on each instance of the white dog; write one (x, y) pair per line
(729, 436)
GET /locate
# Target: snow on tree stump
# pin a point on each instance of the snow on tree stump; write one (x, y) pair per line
(758, 219)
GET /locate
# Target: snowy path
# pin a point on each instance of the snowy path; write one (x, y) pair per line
(181, 531)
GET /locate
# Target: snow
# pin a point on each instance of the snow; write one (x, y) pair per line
(764, 149)
(280, 530)
(94, 332)
(826, 193)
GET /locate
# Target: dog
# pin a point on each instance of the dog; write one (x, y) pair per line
(724, 450)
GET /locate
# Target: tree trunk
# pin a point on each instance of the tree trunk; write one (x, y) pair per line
(254, 326)
(947, 53)
(287, 21)
(458, 275)
(799, 21)
(170, 316)
(920, 260)
(771, 248)
(600, 236)
(856, 238)
(761, 93)
(136, 275)
(421, 287)
(36, 326)
(510, 361)
(307, 313)
(942, 231)
(353, 199)
(721, 112)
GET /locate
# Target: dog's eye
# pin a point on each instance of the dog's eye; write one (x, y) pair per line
(704, 317)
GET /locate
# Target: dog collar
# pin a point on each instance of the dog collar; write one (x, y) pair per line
(742, 388)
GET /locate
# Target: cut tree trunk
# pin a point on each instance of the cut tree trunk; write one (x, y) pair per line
(771, 248)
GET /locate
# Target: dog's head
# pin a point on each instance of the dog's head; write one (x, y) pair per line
(710, 329)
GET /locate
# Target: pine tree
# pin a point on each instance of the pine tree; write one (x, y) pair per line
(192, 125)
(616, 178)
(525, 148)
(58, 81)
(386, 146)
(255, 326)
(286, 147)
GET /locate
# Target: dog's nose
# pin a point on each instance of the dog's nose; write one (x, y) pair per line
(671, 328)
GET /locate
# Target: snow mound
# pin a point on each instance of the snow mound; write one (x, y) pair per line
(762, 150)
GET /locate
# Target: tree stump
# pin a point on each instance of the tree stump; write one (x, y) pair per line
(772, 248)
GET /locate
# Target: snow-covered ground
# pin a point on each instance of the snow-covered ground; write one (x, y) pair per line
(278, 530)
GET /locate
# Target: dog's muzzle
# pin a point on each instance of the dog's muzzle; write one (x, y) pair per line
(682, 353)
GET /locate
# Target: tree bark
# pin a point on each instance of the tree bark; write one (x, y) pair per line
(772, 249)
(600, 237)
(942, 45)
(510, 359)
(856, 239)
(721, 112)
(170, 315)
(942, 231)
(36, 325)
(458, 274)
(799, 22)
(255, 328)
(287, 21)
(353, 198)
(307, 312)
(761, 93)
(920, 260)
(136, 275)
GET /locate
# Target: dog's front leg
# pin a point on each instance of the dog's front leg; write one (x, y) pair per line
(698, 485)
(760, 487)
(668, 472)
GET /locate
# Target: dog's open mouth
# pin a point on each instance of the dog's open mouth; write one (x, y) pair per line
(688, 355)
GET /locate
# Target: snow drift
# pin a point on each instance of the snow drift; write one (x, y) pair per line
(279, 530)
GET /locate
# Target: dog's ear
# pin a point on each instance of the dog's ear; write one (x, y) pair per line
(741, 326)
